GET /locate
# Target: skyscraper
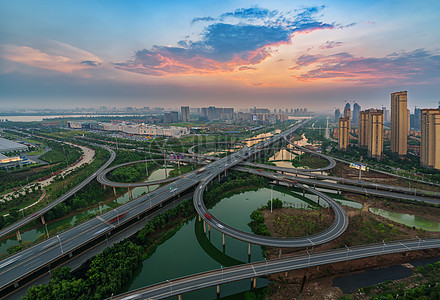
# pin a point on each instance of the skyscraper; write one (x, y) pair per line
(430, 145)
(375, 133)
(399, 122)
(337, 115)
(185, 113)
(363, 128)
(385, 114)
(347, 115)
(343, 133)
(356, 110)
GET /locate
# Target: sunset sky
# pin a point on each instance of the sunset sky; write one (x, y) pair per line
(282, 54)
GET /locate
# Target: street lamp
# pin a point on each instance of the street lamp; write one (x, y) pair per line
(61, 247)
(116, 214)
(222, 273)
(266, 266)
(271, 197)
(383, 248)
(171, 286)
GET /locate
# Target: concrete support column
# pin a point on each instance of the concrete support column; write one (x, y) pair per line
(249, 249)
(179, 297)
(200, 218)
(209, 228)
(255, 283)
(318, 200)
(304, 193)
(218, 290)
(223, 239)
(17, 233)
(204, 226)
(43, 221)
(104, 187)
(114, 191)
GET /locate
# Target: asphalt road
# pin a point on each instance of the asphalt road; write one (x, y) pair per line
(194, 282)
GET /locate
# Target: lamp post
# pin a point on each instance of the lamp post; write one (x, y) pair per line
(271, 197)
(222, 273)
(116, 214)
(61, 246)
(171, 286)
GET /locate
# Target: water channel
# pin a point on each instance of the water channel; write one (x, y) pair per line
(191, 251)
(407, 219)
(60, 225)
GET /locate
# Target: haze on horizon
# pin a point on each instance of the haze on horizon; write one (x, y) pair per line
(222, 53)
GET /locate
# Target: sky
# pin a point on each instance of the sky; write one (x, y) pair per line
(270, 54)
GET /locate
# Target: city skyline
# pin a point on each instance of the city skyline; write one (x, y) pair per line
(231, 54)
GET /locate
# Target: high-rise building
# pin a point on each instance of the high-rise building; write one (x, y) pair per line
(356, 110)
(343, 133)
(408, 113)
(185, 113)
(430, 144)
(347, 115)
(363, 128)
(375, 133)
(385, 114)
(337, 115)
(399, 122)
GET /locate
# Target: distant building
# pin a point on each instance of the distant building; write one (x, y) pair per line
(375, 133)
(343, 133)
(10, 162)
(347, 115)
(356, 110)
(386, 114)
(185, 113)
(337, 115)
(399, 122)
(430, 133)
(10, 146)
(363, 128)
(171, 117)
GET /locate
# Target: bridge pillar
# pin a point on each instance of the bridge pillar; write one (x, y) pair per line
(339, 191)
(218, 290)
(104, 186)
(318, 200)
(17, 233)
(114, 191)
(223, 239)
(218, 177)
(204, 226)
(255, 283)
(200, 218)
(209, 228)
(179, 297)
(249, 249)
(304, 193)
(314, 186)
(43, 221)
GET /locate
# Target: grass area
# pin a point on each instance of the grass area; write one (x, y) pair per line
(182, 170)
(14, 205)
(53, 156)
(289, 222)
(307, 160)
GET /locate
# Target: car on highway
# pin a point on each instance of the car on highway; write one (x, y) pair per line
(118, 217)
(208, 216)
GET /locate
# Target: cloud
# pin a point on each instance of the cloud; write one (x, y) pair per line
(246, 68)
(91, 63)
(246, 36)
(330, 45)
(59, 57)
(418, 66)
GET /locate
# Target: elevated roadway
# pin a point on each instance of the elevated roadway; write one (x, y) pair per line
(15, 268)
(218, 277)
